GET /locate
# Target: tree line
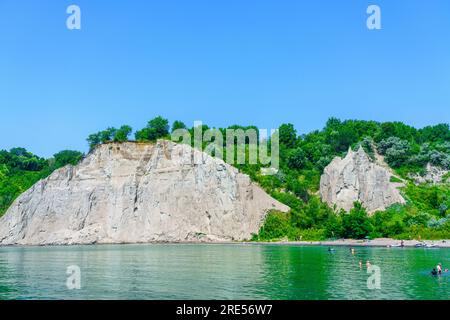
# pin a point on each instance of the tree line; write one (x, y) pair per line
(302, 160)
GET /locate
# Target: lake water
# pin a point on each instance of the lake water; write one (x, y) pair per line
(177, 271)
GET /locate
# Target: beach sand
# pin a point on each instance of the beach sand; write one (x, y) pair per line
(380, 242)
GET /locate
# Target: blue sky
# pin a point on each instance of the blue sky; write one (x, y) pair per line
(262, 62)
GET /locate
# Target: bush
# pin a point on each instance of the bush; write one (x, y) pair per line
(396, 151)
(287, 135)
(276, 226)
(297, 158)
(356, 224)
(333, 227)
(439, 159)
(66, 157)
(156, 128)
(298, 188)
(308, 235)
(122, 134)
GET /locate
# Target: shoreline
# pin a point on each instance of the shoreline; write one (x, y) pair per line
(380, 242)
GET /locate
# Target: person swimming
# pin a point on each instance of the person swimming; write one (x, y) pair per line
(434, 272)
(368, 264)
(439, 268)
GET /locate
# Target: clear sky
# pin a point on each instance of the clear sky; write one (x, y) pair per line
(262, 62)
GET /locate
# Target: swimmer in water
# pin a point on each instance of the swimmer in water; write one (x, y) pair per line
(360, 264)
(439, 268)
(368, 264)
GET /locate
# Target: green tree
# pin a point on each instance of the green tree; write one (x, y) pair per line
(287, 135)
(297, 158)
(356, 224)
(122, 134)
(66, 157)
(298, 188)
(178, 125)
(341, 139)
(397, 152)
(396, 129)
(333, 226)
(3, 171)
(93, 140)
(160, 125)
(276, 226)
(437, 133)
(108, 134)
(155, 129)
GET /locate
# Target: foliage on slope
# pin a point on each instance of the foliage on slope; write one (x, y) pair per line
(302, 160)
(20, 169)
(406, 149)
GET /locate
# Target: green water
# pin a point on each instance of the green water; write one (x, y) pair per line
(220, 272)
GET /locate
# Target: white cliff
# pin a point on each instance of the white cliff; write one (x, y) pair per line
(357, 178)
(138, 193)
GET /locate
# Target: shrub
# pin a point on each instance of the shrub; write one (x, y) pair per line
(276, 226)
(356, 224)
(67, 157)
(297, 158)
(395, 150)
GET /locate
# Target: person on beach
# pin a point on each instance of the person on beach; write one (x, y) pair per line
(402, 243)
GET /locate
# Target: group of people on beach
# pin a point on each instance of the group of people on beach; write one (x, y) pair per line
(438, 270)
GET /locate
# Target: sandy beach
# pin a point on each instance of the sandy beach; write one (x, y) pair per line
(380, 242)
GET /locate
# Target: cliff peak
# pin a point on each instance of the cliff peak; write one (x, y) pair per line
(357, 178)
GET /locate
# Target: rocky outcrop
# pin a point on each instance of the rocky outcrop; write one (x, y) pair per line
(433, 175)
(137, 193)
(357, 178)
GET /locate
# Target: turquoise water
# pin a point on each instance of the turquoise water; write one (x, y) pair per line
(176, 271)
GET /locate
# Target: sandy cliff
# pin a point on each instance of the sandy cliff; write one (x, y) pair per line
(357, 178)
(134, 193)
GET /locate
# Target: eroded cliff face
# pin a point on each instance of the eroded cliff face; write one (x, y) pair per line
(137, 193)
(357, 178)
